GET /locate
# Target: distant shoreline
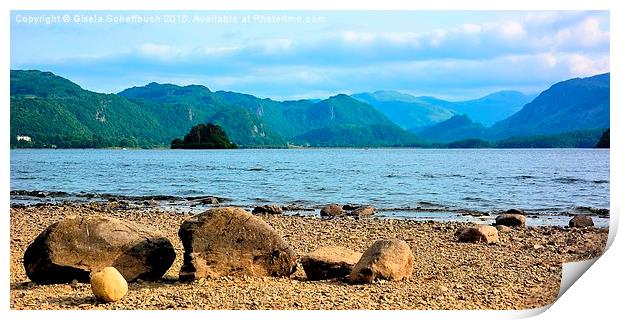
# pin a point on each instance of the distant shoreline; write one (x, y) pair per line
(312, 148)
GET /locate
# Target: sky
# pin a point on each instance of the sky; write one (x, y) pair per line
(282, 55)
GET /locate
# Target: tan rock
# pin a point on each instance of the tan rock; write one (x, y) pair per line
(384, 259)
(329, 262)
(363, 211)
(231, 241)
(332, 210)
(479, 233)
(581, 221)
(108, 285)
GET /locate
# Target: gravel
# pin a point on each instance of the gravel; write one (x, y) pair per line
(522, 271)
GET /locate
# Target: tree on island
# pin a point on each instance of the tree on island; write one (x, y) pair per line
(202, 136)
(604, 141)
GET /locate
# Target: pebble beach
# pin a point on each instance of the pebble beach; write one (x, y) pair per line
(522, 271)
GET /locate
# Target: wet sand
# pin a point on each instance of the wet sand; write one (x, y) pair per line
(522, 271)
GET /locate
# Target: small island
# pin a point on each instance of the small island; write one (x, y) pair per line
(202, 136)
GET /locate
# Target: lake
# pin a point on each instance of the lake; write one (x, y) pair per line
(437, 184)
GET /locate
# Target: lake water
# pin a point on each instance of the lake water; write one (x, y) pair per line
(438, 184)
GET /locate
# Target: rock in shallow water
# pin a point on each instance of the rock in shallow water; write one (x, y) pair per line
(511, 219)
(268, 209)
(332, 210)
(384, 259)
(72, 248)
(108, 285)
(364, 211)
(231, 241)
(480, 233)
(329, 262)
(581, 221)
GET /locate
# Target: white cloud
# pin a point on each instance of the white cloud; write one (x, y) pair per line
(511, 30)
(159, 51)
(524, 51)
(581, 65)
(471, 28)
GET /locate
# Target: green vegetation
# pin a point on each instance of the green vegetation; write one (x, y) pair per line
(604, 141)
(571, 105)
(575, 139)
(470, 144)
(459, 127)
(48, 111)
(356, 135)
(204, 137)
(55, 112)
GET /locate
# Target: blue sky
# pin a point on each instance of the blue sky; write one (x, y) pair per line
(453, 55)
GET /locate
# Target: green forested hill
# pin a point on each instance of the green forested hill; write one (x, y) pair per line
(54, 111)
(179, 108)
(459, 127)
(571, 105)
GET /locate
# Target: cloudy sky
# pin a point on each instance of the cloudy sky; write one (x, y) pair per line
(290, 55)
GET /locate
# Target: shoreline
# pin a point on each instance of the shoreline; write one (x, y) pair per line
(419, 211)
(522, 271)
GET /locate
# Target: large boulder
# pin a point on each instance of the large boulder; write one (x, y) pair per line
(581, 221)
(511, 219)
(74, 247)
(108, 285)
(479, 233)
(231, 241)
(332, 210)
(268, 209)
(329, 262)
(384, 259)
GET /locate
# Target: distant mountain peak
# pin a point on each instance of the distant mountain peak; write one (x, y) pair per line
(570, 105)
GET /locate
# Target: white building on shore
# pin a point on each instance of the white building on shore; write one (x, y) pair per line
(24, 138)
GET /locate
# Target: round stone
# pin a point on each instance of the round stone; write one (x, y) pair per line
(108, 285)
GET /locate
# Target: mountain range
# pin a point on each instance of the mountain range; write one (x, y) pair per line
(573, 105)
(417, 113)
(51, 110)
(48, 110)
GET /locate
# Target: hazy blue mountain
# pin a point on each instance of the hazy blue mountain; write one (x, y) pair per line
(568, 106)
(416, 113)
(407, 111)
(459, 127)
(489, 109)
(575, 104)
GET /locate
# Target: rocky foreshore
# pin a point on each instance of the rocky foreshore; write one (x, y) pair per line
(515, 268)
